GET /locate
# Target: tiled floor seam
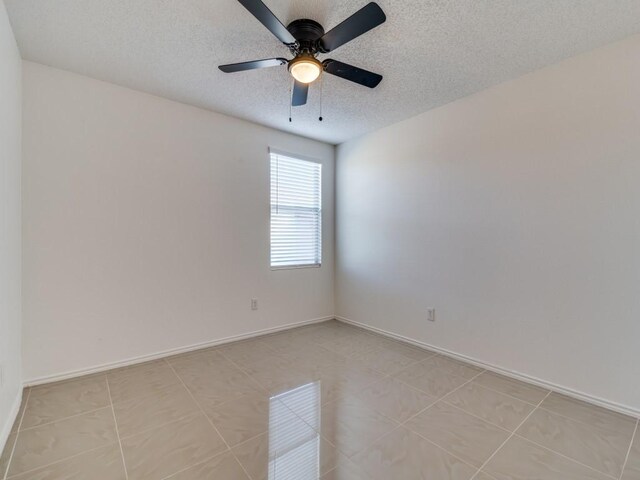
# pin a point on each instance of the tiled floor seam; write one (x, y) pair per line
(196, 464)
(515, 434)
(208, 419)
(533, 404)
(437, 399)
(508, 438)
(466, 462)
(476, 416)
(93, 410)
(626, 459)
(115, 422)
(75, 455)
(288, 408)
(5, 475)
(188, 416)
(578, 421)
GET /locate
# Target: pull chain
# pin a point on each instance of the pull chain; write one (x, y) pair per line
(320, 117)
(290, 100)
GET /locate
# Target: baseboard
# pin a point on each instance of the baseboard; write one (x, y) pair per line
(166, 353)
(13, 415)
(503, 371)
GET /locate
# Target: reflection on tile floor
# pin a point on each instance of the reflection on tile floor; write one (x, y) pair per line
(326, 401)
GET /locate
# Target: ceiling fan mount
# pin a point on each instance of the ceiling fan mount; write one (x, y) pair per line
(306, 39)
(307, 34)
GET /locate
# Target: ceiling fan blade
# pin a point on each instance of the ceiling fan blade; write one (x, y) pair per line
(300, 92)
(354, 74)
(269, 20)
(242, 66)
(368, 17)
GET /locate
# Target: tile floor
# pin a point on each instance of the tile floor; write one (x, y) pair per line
(328, 402)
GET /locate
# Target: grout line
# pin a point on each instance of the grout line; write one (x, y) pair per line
(61, 460)
(195, 465)
(541, 407)
(486, 387)
(466, 462)
(207, 417)
(15, 442)
(66, 418)
(509, 437)
(476, 416)
(115, 422)
(573, 460)
(183, 418)
(433, 396)
(626, 459)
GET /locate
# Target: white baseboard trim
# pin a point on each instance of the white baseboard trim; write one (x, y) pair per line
(166, 353)
(13, 415)
(601, 402)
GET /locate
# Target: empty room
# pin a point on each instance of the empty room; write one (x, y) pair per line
(319, 240)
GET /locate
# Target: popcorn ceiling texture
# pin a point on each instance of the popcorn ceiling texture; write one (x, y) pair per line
(430, 52)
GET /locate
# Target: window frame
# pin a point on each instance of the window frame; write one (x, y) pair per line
(284, 153)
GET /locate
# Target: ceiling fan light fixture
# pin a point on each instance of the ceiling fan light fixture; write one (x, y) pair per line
(305, 69)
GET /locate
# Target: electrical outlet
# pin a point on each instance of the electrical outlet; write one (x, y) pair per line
(254, 304)
(431, 314)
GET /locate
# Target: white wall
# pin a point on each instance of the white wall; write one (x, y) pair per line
(516, 214)
(10, 153)
(147, 226)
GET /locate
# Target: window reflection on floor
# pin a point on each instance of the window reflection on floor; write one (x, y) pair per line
(294, 447)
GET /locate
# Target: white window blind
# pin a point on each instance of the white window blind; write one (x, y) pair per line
(296, 213)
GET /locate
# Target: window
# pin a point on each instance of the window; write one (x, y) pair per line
(296, 213)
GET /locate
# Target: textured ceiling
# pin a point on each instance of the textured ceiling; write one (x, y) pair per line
(430, 51)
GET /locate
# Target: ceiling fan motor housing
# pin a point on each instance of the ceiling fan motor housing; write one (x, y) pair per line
(307, 33)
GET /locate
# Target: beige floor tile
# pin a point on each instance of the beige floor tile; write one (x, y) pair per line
(345, 470)
(6, 454)
(168, 405)
(329, 389)
(352, 346)
(221, 467)
(212, 389)
(352, 426)
(247, 352)
(522, 460)
(196, 364)
(276, 375)
(59, 400)
(483, 476)
(405, 349)
(261, 462)
(510, 386)
(590, 414)
(404, 455)
(394, 399)
(602, 449)
(104, 463)
(632, 469)
(242, 418)
(469, 438)
(385, 361)
(453, 366)
(40, 446)
(495, 407)
(433, 381)
(140, 381)
(158, 453)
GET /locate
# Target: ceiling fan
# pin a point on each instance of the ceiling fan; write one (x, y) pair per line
(305, 39)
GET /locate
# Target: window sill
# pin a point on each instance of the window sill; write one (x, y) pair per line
(296, 267)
